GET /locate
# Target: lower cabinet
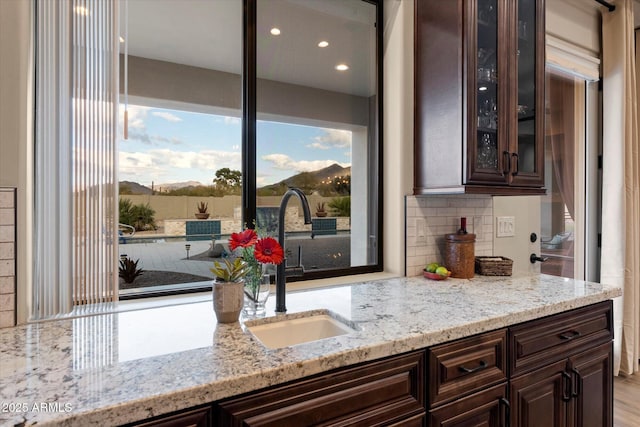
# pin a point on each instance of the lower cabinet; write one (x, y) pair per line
(562, 371)
(488, 408)
(196, 417)
(389, 392)
(550, 372)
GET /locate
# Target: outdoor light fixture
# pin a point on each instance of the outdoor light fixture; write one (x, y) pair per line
(123, 257)
(187, 247)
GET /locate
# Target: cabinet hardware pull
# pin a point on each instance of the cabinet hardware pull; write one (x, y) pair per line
(517, 168)
(578, 383)
(480, 367)
(569, 335)
(566, 396)
(507, 411)
(507, 163)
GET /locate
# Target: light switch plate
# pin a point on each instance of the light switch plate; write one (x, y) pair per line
(505, 226)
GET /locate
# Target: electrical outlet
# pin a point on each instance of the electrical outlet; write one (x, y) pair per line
(505, 226)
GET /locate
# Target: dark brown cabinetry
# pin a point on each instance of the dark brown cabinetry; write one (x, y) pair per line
(387, 392)
(550, 372)
(561, 369)
(462, 381)
(197, 417)
(479, 96)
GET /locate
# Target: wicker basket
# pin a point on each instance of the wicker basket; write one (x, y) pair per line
(493, 265)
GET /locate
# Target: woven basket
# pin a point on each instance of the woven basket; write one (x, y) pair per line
(493, 265)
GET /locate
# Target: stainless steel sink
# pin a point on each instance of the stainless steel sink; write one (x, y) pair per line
(298, 328)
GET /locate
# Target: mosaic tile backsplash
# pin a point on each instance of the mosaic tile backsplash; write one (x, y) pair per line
(429, 218)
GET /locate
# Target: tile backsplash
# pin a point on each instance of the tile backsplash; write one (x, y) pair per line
(7, 257)
(429, 218)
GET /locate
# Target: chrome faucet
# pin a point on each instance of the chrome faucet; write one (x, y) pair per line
(282, 271)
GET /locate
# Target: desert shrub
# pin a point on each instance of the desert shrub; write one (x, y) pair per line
(340, 206)
(129, 270)
(141, 217)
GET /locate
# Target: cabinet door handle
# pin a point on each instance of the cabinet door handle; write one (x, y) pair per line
(517, 168)
(507, 162)
(566, 384)
(578, 382)
(567, 336)
(480, 367)
(507, 412)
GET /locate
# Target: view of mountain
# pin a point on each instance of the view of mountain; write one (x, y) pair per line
(128, 187)
(304, 180)
(176, 185)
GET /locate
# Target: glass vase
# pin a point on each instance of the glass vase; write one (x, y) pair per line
(256, 292)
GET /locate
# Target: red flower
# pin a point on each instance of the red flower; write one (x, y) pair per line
(268, 251)
(243, 239)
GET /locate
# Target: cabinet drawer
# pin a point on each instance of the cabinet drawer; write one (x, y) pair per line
(386, 392)
(467, 365)
(539, 342)
(485, 408)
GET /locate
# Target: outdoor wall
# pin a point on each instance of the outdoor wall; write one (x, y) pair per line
(184, 207)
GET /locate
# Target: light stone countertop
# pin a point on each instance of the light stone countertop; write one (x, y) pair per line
(123, 367)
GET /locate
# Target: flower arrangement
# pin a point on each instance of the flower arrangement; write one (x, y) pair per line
(256, 251)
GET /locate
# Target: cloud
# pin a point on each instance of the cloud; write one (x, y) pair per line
(155, 140)
(167, 116)
(284, 162)
(137, 115)
(332, 138)
(161, 162)
(232, 120)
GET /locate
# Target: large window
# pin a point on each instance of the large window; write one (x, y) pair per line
(225, 122)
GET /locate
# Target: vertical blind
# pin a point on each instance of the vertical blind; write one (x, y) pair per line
(75, 230)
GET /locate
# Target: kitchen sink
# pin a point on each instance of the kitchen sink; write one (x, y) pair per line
(298, 328)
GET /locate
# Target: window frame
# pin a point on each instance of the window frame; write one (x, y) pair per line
(249, 149)
(249, 120)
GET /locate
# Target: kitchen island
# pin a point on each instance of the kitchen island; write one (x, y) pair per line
(119, 368)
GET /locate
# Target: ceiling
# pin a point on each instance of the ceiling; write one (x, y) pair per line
(208, 34)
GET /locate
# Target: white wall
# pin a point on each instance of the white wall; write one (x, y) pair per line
(398, 128)
(16, 120)
(526, 211)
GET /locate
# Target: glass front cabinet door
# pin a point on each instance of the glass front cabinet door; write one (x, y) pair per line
(489, 55)
(504, 138)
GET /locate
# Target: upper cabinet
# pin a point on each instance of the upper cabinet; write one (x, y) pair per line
(479, 96)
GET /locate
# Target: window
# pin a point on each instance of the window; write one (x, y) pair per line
(312, 119)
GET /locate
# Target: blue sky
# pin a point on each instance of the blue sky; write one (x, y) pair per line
(167, 146)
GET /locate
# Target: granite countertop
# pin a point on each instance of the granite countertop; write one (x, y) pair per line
(117, 368)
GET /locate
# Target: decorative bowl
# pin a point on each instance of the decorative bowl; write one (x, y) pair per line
(434, 276)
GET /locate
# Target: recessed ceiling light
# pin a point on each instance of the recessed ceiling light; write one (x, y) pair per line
(482, 88)
(121, 39)
(81, 10)
(275, 31)
(342, 67)
(323, 43)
